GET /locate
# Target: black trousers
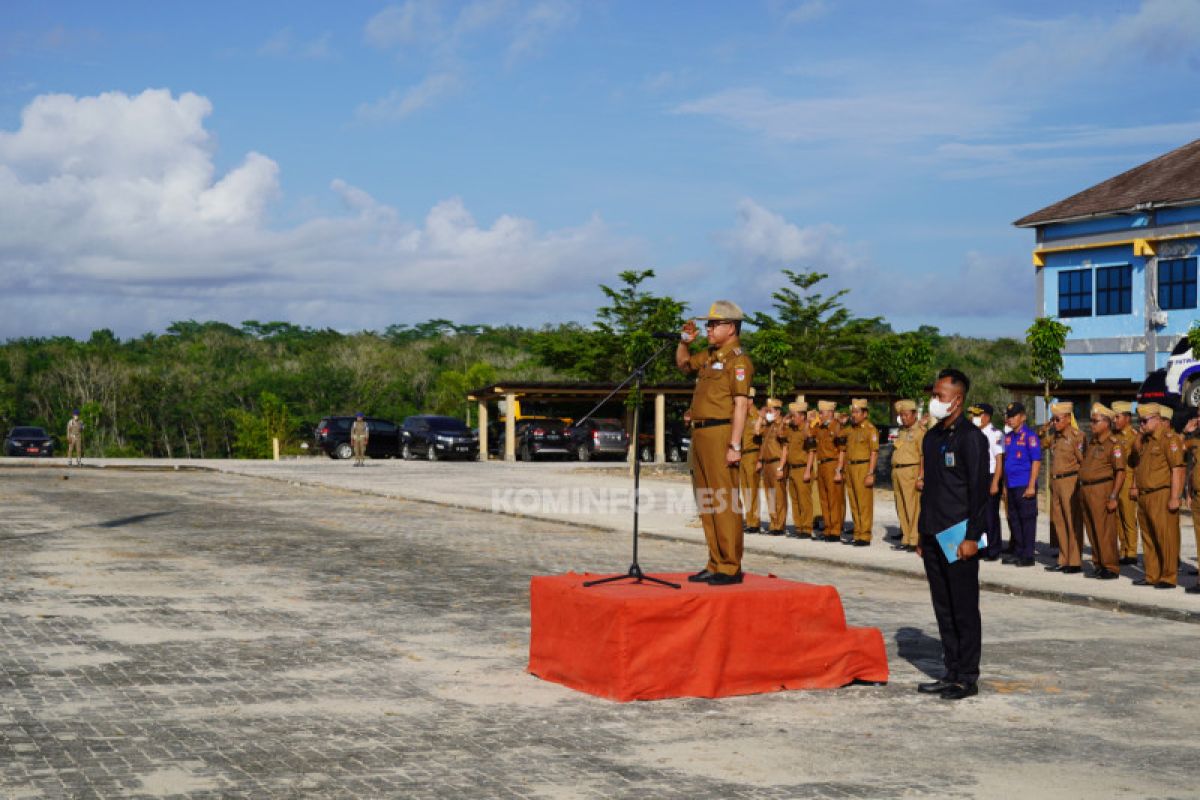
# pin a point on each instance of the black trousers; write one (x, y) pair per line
(994, 534)
(954, 589)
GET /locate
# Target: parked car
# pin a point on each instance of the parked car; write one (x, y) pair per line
(332, 436)
(433, 437)
(677, 442)
(535, 437)
(598, 437)
(28, 441)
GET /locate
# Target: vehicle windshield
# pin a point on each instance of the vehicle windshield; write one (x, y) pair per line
(448, 425)
(547, 424)
(605, 425)
(28, 432)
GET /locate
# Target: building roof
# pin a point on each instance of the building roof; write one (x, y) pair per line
(1169, 179)
(583, 390)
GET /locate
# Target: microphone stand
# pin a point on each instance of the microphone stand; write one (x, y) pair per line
(635, 570)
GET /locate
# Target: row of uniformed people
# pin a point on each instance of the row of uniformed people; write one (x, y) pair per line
(1109, 484)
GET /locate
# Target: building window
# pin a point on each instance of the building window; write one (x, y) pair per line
(1177, 283)
(1075, 293)
(1114, 290)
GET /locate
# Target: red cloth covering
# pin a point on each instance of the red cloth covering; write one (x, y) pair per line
(629, 641)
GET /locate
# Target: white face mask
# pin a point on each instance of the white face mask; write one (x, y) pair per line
(770, 417)
(939, 409)
(900, 420)
(978, 421)
(1007, 428)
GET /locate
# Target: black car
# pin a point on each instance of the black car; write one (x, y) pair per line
(677, 441)
(598, 437)
(435, 438)
(1154, 390)
(535, 437)
(332, 435)
(26, 441)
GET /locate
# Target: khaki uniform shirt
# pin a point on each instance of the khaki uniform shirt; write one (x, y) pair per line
(359, 430)
(1102, 458)
(1156, 454)
(1126, 438)
(750, 441)
(830, 441)
(74, 428)
(1066, 449)
(722, 375)
(861, 441)
(800, 444)
(1192, 445)
(774, 436)
(907, 447)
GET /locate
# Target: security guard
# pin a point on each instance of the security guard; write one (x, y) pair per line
(862, 452)
(1126, 507)
(1100, 479)
(800, 457)
(748, 472)
(772, 463)
(75, 438)
(359, 434)
(1191, 445)
(1158, 475)
(719, 406)
(1065, 443)
(908, 470)
(831, 461)
(1022, 464)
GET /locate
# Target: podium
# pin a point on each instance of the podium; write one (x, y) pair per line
(638, 641)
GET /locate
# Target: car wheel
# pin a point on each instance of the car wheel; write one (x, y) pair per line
(674, 456)
(406, 452)
(584, 453)
(647, 454)
(344, 451)
(1191, 394)
(431, 453)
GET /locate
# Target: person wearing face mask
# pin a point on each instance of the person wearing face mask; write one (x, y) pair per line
(1022, 463)
(956, 490)
(772, 463)
(981, 416)
(831, 460)
(1126, 507)
(1065, 443)
(1158, 475)
(862, 454)
(1100, 479)
(748, 472)
(907, 473)
(799, 471)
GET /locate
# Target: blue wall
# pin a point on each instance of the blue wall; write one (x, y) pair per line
(1132, 324)
(1128, 222)
(1172, 216)
(1094, 366)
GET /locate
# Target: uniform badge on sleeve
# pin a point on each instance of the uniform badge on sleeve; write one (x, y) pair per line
(740, 373)
(1116, 452)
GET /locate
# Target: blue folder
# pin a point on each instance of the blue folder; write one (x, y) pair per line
(953, 536)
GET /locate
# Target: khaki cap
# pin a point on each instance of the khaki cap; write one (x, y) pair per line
(813, 416)
(1147, 410)
(753, 392)
(1062, 408)
(774, 403)
(905, 405)
(724, 309)
(1101, 410)
(1166, 412)
(798, 407)
(1122, 407)
(860, 402)
(826, 405)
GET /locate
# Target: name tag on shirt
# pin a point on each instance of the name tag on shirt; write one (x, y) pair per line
(718, 365)
(949, 459)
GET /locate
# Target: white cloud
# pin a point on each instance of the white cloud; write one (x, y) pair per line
(802, 12)
(413, 22)
(540, 23)
(283, 44)
(112, 213)
(399, 104)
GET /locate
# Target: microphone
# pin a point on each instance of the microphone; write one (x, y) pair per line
(665, 336)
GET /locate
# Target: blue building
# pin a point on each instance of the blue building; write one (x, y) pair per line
(1117, 262)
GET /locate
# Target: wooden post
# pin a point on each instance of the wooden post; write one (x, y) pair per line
(483, 426)
(275, 447)
(660, 428)
(510, 427)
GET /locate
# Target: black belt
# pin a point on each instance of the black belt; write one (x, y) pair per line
(1066, 474)
(1151, 491)
(747, 452)
(708, 423)
(826, 460)
(1097, 481)
(767, 460)
(905, 466)
(863, 461)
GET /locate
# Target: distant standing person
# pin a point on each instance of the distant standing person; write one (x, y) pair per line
(719, 405)
(1065, 443)
(771, 428)
(831, 460)
(1100, 479)
(75, 438)
(359, 435)
(907, 473)
(1191, 444)
(749, 475)
(1158, 475)
(1022, 462)
(956, 490)
(799, 475)
(862, 454)
(1126, 507)
(981, 415)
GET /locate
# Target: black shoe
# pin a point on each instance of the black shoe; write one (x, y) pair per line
(1193, 571)
(1024, 562)
(754, 529)
(804, 535)
(1193, 589)
(775, 533)
(1071, 570)
(1106, 575)
(848, 541)
(1054, 568)
(833, 538)
(995, 557)
(862, 542)
(1127, 560)
(900, 547)
(1142, 582)
(1164, 585)
(960, 691)
(1009, 560)
(793, 535)
(910, 548)
(721, 579)
(702, 576)
(935, 687)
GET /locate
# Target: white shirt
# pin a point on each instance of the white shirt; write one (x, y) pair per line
(995, 445)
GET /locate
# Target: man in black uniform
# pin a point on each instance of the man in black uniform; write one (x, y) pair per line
(957, 483)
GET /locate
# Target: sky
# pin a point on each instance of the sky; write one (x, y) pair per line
(357, 165)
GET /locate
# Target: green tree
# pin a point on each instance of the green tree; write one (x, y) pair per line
(254, 430)
(626, 325)
(1046, 338)
(899, 363)
(769, 350)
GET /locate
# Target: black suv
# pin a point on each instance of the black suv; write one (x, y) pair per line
(23, 441)
(332, 435)
(677, 440)
(598, 437)
(536, 436)
(437, 437)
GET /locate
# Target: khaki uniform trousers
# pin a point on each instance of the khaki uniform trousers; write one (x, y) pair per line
(360, 449)
(1128, 513)
(74, 447)
(800, 494)
(833, 498)
(908, 503)
(716, 487)
(1101, 526)
(862, 500)
(1065, 517)
(1196, 527)
(1160, 536)
(775, 489)
(750, 486)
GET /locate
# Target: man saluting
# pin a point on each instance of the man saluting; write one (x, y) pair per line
(718, 411)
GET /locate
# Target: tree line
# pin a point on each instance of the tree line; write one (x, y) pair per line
(215, 390)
